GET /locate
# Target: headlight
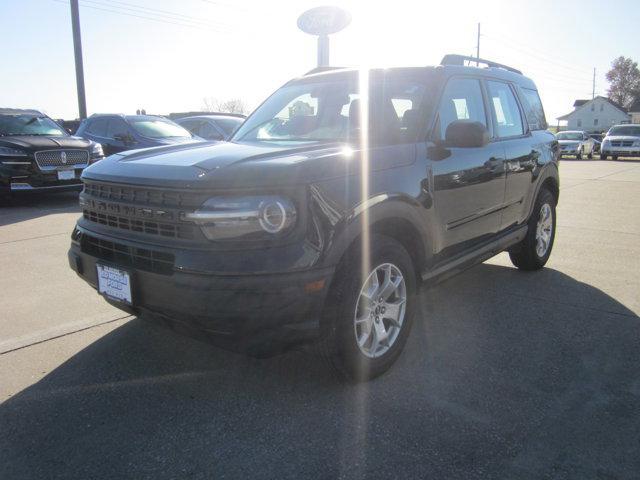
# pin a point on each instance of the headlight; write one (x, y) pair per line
(96, 151)
(12, 152)
(264, 217)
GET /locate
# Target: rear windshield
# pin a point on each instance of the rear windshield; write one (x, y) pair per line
(229, 125)
(158, 128)
(29, 124)
(569, 136)
(629, 130)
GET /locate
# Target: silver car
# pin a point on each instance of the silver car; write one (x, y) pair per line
(621, 141)
(577, 143)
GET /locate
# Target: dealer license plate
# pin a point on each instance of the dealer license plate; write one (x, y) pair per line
(66, 174)
(114, 283)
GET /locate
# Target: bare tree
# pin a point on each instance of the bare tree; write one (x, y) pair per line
(624, 81)
(232, 105)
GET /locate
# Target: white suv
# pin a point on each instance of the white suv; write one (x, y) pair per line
(621, 141)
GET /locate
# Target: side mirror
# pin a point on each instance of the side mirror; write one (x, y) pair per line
(466, 134)
(123, 137)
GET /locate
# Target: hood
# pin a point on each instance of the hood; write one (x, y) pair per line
(32, 143)
(617, 138)
(568, 142)
(221, 165)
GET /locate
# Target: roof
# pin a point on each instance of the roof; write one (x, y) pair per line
(581, 103)
(175, 115)
(18, 111)
(218, 115)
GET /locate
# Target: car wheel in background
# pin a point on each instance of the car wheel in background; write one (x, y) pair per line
(603, 157)
(579, 154)
(534, 251)
(614, 157)
(369, 311)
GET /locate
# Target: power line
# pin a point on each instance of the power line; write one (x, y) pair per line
(143, 17)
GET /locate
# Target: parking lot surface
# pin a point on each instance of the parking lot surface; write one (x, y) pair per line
(506, 374)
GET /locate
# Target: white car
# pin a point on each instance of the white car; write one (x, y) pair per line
(575, 142)
(621, 141)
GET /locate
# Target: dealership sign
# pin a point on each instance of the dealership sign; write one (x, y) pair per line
(323, 20)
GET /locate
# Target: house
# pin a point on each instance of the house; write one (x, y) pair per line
(634, 111)
(595, 115)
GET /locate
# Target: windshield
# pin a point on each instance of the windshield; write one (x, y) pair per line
(29, 124)
(627, 130)
(330, 111)
(570, 136)
(229, 125)
(158, 128)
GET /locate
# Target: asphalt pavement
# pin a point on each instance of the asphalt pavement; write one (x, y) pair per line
(506, 374)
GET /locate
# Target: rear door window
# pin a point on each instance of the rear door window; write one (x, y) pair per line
(506, 113)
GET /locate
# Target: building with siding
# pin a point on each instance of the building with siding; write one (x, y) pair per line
(596, 115)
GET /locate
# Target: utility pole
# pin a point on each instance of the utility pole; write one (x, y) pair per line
(77, 50)
(478, 47)
(593, 92)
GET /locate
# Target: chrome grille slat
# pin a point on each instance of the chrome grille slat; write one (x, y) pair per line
(55, 158)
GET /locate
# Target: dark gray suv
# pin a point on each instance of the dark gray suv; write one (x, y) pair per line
(327, 209)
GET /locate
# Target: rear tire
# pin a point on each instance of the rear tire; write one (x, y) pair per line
(603, 157)
(614, 157)
(365, 324)
(534, 250)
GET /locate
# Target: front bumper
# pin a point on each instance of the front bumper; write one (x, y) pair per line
(240, 308)
(621, 151)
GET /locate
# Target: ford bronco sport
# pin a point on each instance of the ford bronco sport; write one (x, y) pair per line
(319, 219)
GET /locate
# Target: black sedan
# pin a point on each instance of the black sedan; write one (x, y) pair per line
(36, 154)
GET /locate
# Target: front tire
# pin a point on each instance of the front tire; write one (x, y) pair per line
(603, 157)
(534, 250)
(579, 155)
(368, 315)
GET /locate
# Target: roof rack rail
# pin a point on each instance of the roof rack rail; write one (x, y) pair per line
(321, 69)
(452, 59)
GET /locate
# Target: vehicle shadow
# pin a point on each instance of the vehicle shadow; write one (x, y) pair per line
(506, 375)
(23, 207)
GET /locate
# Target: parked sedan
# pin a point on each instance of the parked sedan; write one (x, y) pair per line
(212, 127)
(621, 141)
(576, 143)
(117, 133)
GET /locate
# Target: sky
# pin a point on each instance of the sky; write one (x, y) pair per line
(168, 55)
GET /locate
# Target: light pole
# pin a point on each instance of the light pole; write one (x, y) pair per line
(77, 50)
(322, 22)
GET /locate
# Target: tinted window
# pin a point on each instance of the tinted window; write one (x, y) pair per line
(208, 131)
(98, 127)
(116, 126)
(505, 109)
(158, 128)
(229, 125)
(533, 110)
(461, 100)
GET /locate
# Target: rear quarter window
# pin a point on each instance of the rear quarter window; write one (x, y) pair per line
(533, 109)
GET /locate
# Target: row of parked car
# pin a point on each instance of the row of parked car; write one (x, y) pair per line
(619, 141)
(38, 153)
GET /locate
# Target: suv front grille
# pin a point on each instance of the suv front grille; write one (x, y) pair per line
(142, 226)
(142, 210)
(140, 196)
(48, 159)
(125, 256)
(622, 143)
